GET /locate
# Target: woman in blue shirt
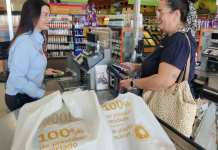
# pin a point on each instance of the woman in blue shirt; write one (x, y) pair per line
(27, 62)
(162, 68)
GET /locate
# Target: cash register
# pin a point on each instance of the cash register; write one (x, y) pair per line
(209, 59)
(82, 66)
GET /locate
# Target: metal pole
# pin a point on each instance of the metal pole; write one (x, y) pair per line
(137, 4)
(11, 33)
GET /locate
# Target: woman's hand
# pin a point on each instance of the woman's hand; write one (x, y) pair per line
(126, 84)
(48, 92)
(50, 71)
(130, 65)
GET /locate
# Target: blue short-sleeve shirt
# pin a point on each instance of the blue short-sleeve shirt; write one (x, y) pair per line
(27, 64)
(173, 50)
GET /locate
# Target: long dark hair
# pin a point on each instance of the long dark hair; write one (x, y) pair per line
(30, 15)
(182, 6)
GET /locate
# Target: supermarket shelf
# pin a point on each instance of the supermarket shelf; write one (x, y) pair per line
(79, 43)
(59, 42)
(79, 49)
(78, 28)
(60, 28)
(60, 50)
(202, 11)
(8, 26)
(62, 20)
(120, 28)
(80, 35)
(149, 14)
(211, 13)
(116, 39)
(57, 57)
(60, 35)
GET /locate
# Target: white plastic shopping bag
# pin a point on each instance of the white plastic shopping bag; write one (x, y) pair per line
(133, 125)
(207, 130)
(76, 124)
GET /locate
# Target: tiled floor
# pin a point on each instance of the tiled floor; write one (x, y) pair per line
(3, 107)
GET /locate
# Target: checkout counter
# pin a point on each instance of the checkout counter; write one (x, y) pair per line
(80, 74)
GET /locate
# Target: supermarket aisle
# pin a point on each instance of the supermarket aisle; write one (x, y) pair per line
(3, 107)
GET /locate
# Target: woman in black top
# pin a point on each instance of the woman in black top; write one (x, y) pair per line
(162, 68)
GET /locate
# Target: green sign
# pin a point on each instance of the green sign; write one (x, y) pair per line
(196, 5)
(156, 2)
(147, 2)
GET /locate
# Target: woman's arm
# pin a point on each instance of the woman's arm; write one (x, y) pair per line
(166, 77)
(132, 67)
(137, 67)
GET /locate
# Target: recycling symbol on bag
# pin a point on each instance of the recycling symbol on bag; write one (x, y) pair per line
(140, 133)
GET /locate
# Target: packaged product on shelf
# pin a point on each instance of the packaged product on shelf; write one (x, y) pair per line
(159, 37)
(2, 20)
(207, 23)
(94, 16)
(215, 23)
(87, 15)
(146, 43)
(151, 32)
(155, 39)
(203, 23)
(151, 42)
(146, 34)
(199, 23)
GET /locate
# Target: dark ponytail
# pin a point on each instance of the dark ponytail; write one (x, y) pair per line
(30, 15)
(182, 6)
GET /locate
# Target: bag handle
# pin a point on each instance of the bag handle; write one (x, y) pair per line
(187, 68)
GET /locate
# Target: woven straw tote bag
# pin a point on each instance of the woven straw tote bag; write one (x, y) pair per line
(174, 105)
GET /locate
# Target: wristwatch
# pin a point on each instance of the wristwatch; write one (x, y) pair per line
(133, 83)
